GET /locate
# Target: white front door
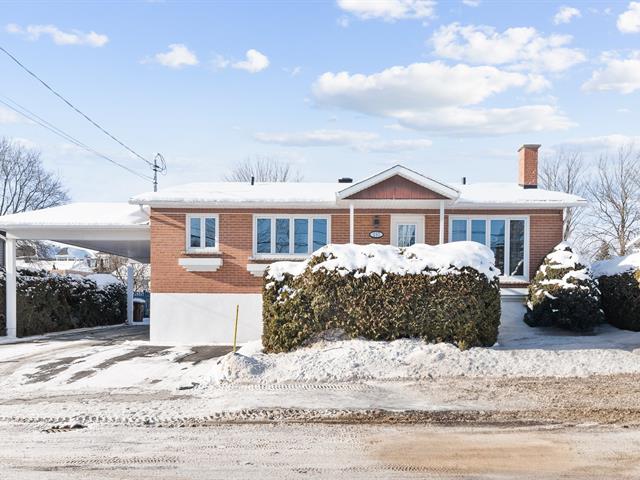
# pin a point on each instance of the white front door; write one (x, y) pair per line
(407, 230)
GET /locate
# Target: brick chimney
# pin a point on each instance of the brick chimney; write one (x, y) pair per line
(528, 166)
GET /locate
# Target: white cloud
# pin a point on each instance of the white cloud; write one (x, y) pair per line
(357, 140)
(59, 37)
(388, 10)
(471, 3)
(294, 71)
(629, 21)
(565, 15)
(436, 97)
(178, 56)
(487, 121)
(417, 86)
(521, 48)
(255, 62)
(618, 74)
(394, 146)
(601, 143)
(316, 138)
(9, 116)
(343, 21)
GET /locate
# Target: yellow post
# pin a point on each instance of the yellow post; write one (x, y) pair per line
(235, 328)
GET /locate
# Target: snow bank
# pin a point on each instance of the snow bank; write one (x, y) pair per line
(381, 259)
(521, 351)
(617, 265)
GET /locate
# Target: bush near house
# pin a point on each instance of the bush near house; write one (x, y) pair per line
(444, 293)
(564, 294)
(50, 303)
(619, 281)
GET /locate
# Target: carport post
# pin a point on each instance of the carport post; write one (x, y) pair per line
(11, 278)
(129, 294)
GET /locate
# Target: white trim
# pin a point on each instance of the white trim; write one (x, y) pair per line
(202, 217)
(257, 269)
(200, 264)
(417, 220)
(291, 217)
(415, 177)
(507, 243)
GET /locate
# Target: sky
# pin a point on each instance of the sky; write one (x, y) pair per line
(335, 88)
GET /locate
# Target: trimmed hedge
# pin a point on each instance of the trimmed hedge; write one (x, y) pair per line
(564, 294)
(619, 281)
(459, 305)
(51, 303)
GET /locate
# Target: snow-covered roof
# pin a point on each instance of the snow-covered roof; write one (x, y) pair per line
(508, 194)
(327, 195)
(111, 215)
(243, 192)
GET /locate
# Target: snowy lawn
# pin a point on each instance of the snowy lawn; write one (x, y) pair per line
(521, 351)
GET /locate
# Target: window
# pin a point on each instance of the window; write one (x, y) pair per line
(289, 235)
(406, 234)
(202, 233)
(458, 230)
(506, 236)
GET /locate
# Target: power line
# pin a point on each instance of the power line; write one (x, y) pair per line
(93, 122)
(25, 112)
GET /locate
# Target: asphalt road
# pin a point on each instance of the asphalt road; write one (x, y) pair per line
(283, 451)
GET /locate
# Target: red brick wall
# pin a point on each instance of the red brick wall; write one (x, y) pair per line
(236, 243)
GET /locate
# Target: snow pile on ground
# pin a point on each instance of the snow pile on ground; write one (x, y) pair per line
(380, 259)
(617, 265)
(522, 351)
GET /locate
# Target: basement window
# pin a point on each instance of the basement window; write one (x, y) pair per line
(202, 233)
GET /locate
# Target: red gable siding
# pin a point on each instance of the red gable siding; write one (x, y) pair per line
(397, 188)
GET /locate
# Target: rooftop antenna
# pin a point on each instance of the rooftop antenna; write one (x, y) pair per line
(159, 165)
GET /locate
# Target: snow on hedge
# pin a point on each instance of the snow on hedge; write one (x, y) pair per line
(380, 259)
(617, 265)
(103, 280)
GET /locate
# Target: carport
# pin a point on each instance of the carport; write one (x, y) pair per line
(115, 228)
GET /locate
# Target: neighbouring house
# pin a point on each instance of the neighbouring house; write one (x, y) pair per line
(209, 243)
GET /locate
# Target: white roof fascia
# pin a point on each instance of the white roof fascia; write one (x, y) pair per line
(242, 205)
(517, 205)
(426, 182)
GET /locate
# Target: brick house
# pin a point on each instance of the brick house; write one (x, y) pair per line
(210, 242)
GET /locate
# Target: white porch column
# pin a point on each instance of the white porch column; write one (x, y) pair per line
(129, 294)
(11, 279)
(351, 223)
(441, 236)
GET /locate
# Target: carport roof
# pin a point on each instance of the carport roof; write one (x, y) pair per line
(117, 228)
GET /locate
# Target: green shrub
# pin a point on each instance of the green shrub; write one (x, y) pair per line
(51, 303)
(384, 293)
(619, 282)
(564, 294)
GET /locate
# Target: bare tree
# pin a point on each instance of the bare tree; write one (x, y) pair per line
(26, 185)
(117, 266)
(263, 169)
(614, 195)
(566, 172)
(24, 182)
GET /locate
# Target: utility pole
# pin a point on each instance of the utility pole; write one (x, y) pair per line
(159, 165)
